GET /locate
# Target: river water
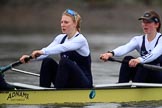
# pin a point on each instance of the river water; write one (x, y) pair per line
(12, 47)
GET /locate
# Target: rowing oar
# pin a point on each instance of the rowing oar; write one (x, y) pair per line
(17, 63)
(147, 66)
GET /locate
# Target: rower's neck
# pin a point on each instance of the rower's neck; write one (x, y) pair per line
(151, 36)
(70, 35)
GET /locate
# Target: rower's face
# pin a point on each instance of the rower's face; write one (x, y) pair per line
(149, 27)
(67, 24)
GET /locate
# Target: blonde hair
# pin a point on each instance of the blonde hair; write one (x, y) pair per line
(75, 16)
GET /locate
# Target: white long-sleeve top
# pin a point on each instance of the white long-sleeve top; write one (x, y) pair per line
(135, 44)
(76, 43)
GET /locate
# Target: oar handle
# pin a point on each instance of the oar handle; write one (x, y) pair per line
(28, 59)
(17, 63)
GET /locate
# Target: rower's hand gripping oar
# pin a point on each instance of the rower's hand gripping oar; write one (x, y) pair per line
(17, 63)
(147, 66)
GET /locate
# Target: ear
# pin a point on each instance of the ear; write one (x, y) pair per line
(75, 23)
(157, 25)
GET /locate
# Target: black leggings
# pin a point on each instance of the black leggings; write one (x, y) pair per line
(66, 74)
(138, 74)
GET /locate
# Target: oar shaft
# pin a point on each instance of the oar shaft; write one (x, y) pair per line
(17, 63)
(152, 67)
(5, 68)
(115, 60)
(147, 66)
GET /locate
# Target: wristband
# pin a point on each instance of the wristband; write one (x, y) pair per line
(112, 52)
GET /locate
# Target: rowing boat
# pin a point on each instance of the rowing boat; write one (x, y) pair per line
(120, 92)
(123, 92)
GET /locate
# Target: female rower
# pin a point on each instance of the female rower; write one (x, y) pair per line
(74, 67)
(149, 48)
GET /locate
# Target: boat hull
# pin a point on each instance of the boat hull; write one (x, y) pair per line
(80, 96)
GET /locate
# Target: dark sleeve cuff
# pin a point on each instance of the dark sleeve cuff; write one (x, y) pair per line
(111, 52)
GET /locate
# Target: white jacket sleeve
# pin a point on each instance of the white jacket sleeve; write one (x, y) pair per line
(124, 49)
